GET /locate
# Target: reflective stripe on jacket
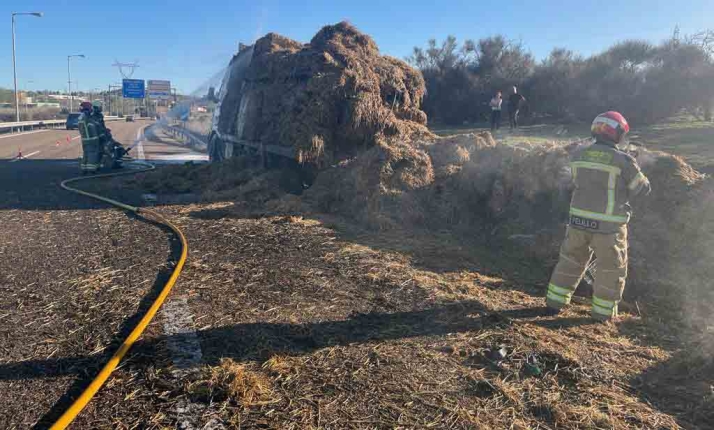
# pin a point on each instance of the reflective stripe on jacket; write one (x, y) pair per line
(88, 129)
(605, 179)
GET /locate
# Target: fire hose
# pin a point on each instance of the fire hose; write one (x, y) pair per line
(78, 405)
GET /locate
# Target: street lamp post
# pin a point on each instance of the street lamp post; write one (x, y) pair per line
(14, 67)
(69, 80)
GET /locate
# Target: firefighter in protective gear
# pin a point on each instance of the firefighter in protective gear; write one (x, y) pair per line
(605, 179)
(104, 135)
(89, 130)
(111, 149)
(97, 113)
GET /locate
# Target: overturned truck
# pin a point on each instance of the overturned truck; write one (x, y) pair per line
(315, 103)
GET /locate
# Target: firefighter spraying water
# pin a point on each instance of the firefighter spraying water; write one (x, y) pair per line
(99, 149)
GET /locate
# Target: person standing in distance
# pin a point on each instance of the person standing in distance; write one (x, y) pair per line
(495, 104)
(514, 105)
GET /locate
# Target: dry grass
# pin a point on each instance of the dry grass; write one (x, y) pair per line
(34, 114)
(200, 123)
(234, 382)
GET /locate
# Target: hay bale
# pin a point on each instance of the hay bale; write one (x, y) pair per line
(368, 188)
(450, 153)
(330, 99)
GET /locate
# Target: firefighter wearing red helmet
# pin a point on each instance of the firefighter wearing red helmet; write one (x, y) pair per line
(605, 178)
(90, 131)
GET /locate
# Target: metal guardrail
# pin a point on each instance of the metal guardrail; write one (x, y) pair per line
(193, 138)
(283, 151)
(23, 125)
(202, 141)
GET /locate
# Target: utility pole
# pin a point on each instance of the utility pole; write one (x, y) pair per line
(14, 65)
(120, 87)
(116, 103)
(132, 68)
(69, 80)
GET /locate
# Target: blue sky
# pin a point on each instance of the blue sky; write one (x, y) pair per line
(187, 42)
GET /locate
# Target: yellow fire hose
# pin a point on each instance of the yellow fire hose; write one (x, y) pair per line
(71, 413)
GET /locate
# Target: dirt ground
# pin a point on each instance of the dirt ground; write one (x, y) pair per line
(305, 322)
(308, 323)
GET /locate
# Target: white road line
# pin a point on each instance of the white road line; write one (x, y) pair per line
(25, 156)
(76, 137)
(185, 350)
(182, 341)
(181, 157)
(22, 134)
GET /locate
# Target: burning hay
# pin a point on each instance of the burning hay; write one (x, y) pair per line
(328, 99)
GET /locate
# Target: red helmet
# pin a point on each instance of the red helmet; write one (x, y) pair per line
(610, 126)
(85, 106)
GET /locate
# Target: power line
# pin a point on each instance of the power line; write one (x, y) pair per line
(132, 66)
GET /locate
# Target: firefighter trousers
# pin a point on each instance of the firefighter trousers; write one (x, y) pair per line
(575, 254)
(91, 157)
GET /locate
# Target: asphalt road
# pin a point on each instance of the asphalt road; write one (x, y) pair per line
(52, 155)
(60, 144)
(74, 275)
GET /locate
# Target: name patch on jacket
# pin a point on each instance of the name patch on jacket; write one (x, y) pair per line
(584, 222)
(597, 156)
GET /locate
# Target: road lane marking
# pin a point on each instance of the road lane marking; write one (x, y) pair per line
(181, 157)
(25, 156)
(185, 350)
(182, 338)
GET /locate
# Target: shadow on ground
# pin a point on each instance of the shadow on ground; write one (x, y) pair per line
(86, 367)
(260, 341)
(682, 387)
(35, 185)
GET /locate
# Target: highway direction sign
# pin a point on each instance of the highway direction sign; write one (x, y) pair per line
(133, 89)
(159, 90)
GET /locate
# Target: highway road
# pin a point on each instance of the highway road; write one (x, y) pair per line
(66, 144)
(60, 144)
(49, 156)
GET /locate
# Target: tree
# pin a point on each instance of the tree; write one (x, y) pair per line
(460, 79)
(645, 82)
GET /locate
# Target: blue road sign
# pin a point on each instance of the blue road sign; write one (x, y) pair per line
(133, 88)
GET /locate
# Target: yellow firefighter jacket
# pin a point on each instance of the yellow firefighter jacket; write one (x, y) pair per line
(605, 180)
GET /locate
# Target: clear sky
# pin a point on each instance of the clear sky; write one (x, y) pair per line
(188, 42)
